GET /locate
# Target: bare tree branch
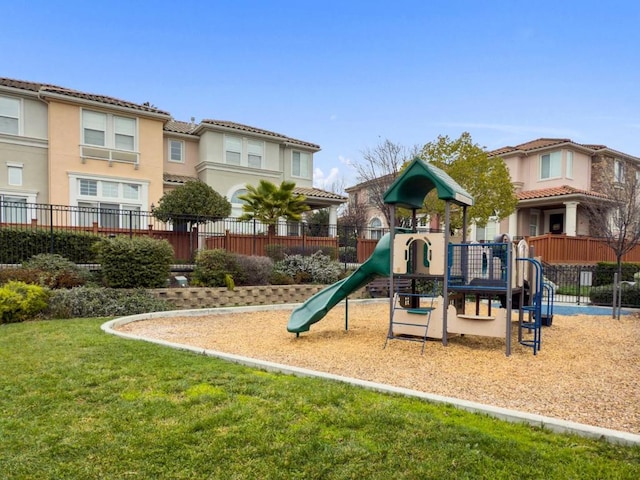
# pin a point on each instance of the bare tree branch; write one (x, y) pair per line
(379, 168)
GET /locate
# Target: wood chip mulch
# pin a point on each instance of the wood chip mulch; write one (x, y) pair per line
(588, 369)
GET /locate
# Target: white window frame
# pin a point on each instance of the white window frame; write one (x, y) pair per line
(618, 171)
(534, 222)
(111, 130)
(375, 227)
(245, 150)
(555, 165)
(569, 165)
(304, 159)
(11, 115)
(233, 145)
(15, 174)
(93, 197)
(180, 145)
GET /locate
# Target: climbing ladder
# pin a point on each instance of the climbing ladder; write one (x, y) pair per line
(530, 320)
(411, 310)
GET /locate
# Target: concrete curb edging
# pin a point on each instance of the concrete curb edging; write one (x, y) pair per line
(513, 416)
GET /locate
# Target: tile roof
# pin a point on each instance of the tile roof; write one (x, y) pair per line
(317, 193)
(180, 127)
(177, 179)
(564, 190)
(247, 128)
(542, 143)
(45, 88)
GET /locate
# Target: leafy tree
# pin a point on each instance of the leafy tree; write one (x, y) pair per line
(486, 179)
(379, 168)
(613, 211)
(192, 203)
(268, 203)
(318, 223)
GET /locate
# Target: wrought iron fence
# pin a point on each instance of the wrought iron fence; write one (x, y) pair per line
(27, 229)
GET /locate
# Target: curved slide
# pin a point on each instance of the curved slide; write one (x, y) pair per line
(316, 307)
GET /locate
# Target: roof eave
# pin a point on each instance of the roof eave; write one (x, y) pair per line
(103, 105)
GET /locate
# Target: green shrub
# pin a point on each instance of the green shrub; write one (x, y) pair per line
(20, 301)
(83, 302)
(275, 252)
(279, 278)
(317, 268)
(348, 254)
(603, 295)
(253, 270)
(55, 271)
(605, 272)
(328, 251)
(212, 267)
(138, 262)
(19, 244)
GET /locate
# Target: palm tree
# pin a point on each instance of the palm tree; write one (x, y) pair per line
(268, 203)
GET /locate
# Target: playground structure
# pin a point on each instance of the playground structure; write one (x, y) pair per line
(457, 271)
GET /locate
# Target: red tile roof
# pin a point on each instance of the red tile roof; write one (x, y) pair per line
(177, 179)
(317, 193)
(247, 128)
(556, 192)
(541, 143)
(180, 127)
(45, 88)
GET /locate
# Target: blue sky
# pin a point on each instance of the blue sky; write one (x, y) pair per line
(349, 74)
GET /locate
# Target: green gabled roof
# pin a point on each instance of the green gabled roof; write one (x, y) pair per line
(417, 180)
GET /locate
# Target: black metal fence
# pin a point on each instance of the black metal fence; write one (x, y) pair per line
(27, 229)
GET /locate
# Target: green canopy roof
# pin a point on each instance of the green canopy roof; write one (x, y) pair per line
(417, 180)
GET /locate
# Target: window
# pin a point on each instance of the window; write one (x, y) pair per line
(534, 220)
(9, 115)
(375, 229)
(233, 150)
(14, 174)
(569, 172)
(176, 149)
(550, 165)
(14, 209)
(618, 171)
(234, 198)
(255, 149)
(300, 164)
(109, 131)
(109, 203)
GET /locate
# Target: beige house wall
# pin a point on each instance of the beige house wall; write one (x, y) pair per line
(27, 150)
(65, 131)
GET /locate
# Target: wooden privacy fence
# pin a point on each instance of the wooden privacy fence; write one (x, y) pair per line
(579, 250)
(257, 244)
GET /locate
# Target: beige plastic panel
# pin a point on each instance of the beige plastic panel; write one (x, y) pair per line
(435, 247)
(417, 330)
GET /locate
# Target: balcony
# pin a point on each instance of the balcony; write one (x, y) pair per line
(111, 155)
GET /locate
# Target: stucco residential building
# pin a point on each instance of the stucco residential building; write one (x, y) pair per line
(65, 147)
(553, 178)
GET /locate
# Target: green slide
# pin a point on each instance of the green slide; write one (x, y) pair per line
(319, 304)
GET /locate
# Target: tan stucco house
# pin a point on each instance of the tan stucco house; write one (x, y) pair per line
(64, 147)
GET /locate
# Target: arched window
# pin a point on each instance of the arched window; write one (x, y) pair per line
(234, 198)
(375, 229)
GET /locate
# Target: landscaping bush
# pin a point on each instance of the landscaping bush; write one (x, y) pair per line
(253, 270)
(138, 262)
(317, 268)
(215, 268)
(348, 254)
(55, 271)
(275, 252)
(19, 274)
(20, 301)
(605, 272)
(83, 302)
(330, 252)
(603, 295)
(20, 244)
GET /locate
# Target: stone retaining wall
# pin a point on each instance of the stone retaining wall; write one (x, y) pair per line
(206, 297)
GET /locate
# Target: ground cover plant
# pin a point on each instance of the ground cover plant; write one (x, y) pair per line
(78, 403)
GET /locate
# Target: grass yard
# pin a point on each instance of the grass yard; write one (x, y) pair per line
(78, 403)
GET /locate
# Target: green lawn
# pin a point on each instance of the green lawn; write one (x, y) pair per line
(78, 403)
